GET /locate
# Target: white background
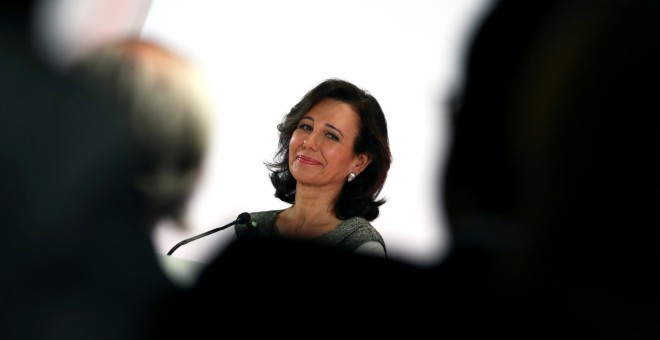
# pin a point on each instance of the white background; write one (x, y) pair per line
(260, 57)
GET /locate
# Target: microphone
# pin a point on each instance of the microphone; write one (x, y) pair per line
(242, 218)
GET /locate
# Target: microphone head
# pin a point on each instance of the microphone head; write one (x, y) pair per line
(243, 218)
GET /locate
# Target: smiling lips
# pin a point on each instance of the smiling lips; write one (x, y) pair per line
(307, 160)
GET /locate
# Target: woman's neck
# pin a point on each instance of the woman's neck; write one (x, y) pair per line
(311, 215)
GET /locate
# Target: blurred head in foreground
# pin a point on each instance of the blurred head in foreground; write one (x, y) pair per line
(553, 172)
(167, 111)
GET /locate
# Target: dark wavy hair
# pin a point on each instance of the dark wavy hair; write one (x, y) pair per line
(359, 197)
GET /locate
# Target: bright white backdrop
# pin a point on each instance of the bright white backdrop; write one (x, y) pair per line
(260, 57)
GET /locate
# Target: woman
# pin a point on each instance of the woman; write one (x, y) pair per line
(331, 165)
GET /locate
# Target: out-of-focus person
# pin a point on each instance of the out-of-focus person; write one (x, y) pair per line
(551, 185)
(166, 108)
(79, 200)
(76, 262)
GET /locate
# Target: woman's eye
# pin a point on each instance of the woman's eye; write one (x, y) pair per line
(305, 127)
(332, 136)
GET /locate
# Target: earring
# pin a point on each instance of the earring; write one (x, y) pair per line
(351, 176)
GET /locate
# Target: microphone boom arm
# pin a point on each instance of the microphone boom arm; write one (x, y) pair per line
(242, 218)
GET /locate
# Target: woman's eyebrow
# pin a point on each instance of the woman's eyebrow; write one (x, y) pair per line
(335, 128)
(328, 125)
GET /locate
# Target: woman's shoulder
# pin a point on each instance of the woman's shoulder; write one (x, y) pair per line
(355, 223)
(363, 236)
(265, 216)
(353, 232)
(259, 216)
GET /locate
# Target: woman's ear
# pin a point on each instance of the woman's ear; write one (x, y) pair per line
(362, 160)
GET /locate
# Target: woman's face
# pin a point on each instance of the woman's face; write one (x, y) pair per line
(321, 147)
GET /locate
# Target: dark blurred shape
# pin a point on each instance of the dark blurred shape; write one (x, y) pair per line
(75, 256)
(165, 108)
(551, 186)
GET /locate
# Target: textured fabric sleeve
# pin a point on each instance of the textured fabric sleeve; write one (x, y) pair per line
(351, 234)
(371, 248)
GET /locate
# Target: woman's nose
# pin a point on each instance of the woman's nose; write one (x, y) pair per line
(310, 142)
